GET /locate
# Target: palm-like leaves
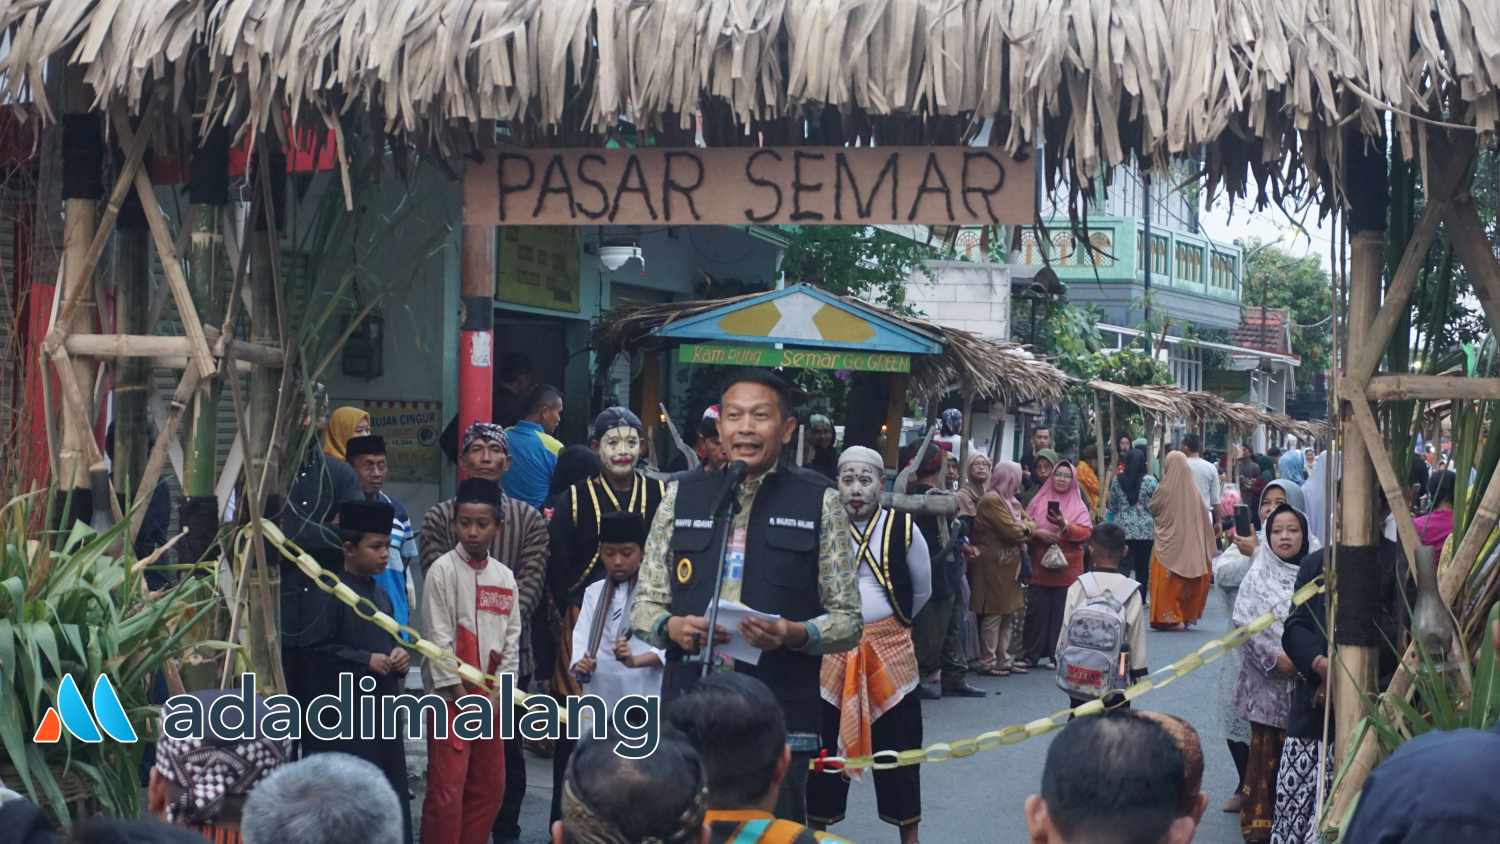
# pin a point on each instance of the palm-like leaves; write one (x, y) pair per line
(76, 608)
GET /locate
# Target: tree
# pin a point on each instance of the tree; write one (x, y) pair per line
(1278, 280)
(857, 261)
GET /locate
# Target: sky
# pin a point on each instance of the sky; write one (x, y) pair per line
(1304, 237)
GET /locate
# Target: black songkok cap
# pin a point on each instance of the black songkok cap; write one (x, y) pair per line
(370, 444)
(366, 516)
(479, 491)
(621, 526)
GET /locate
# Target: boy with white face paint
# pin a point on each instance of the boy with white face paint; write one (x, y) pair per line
(895, 581)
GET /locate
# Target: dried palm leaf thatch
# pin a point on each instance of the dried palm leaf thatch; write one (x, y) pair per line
(1263, 88)
(1165, 400)
(986, 368)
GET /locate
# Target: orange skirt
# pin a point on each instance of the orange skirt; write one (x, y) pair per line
(1176, 599)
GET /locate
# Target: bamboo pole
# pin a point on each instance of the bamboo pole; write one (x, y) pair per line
(127, 347)
(176, 279)
(1353, 672)
(1099, 457)
(132, 309)
(82, 151)
(209, 190)
(1364, 418)
(1425, 387)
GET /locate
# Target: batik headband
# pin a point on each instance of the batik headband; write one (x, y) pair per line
(486, 432)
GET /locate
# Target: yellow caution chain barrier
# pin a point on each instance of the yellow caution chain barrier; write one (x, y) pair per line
(366, 609)
(880, 760)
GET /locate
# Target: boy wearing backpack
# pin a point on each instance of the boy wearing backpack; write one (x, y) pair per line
(1102, 648)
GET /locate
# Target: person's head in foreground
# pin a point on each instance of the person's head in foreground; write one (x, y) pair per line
(329, 798)
(611, 799)
(203, 783)
(755, 418)
(738, 729)
(1107, 547)
(1191, 800)
(476, 514)
(1115, 778)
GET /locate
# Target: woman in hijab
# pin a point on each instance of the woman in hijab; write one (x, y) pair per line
(345, 424)
(1041, 469)
(1128, 506)
(1292, 466)
(1000, 528)
(1230, 568)
(1062, 526)
(976, 479)
(1263, 692)
(1184, 547)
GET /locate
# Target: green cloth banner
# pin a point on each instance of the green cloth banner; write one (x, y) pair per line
(723, 354)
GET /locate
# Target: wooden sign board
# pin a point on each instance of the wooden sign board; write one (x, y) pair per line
(723, 354)
(964, 186)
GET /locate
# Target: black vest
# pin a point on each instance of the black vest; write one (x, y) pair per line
(780, 576)
(588, 502)
(886, 552)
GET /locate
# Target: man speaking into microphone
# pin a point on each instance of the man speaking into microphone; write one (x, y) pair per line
(786, 553)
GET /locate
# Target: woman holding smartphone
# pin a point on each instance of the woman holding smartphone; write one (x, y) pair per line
(1063, 527)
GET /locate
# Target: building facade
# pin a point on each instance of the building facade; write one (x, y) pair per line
(1194, 280)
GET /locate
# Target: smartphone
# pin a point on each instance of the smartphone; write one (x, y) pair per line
(1054, 508)
(1242, 520)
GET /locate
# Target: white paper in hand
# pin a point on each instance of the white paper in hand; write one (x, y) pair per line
(731, 613)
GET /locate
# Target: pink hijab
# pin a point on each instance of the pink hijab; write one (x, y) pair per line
(1074, 511)
(1005, 481)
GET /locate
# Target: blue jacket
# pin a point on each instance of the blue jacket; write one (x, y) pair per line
(529, 477)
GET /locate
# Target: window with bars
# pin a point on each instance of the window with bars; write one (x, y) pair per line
(1189, 263)
(1221, 271)
(1160, 265)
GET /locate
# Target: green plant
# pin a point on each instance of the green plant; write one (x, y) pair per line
(77, 609)
(855, 261)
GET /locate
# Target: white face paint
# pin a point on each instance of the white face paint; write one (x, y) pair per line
(859, 489)
(620, 449)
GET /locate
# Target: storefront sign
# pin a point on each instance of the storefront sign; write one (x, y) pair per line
(735, 186)
(538, 268)
(717, 354)
(410, 430)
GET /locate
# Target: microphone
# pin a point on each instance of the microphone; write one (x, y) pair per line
(734, 475)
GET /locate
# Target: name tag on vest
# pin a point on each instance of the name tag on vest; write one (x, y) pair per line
(800, 524)
(694, 523)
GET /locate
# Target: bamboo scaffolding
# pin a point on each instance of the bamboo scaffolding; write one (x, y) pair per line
(122, 346)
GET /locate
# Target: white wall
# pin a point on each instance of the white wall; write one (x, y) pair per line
(959, 294)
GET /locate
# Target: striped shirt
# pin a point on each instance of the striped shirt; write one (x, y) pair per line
(395, 581)
(520, 545)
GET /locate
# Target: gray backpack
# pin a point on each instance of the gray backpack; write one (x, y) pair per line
(1090, 663)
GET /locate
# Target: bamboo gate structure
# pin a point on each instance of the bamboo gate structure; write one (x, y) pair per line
(1272, 100)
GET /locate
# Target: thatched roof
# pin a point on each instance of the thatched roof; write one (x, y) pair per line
(1257, 87)
(1195, 407)
(990, 368)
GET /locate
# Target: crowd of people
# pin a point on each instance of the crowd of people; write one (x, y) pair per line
(580, 569)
